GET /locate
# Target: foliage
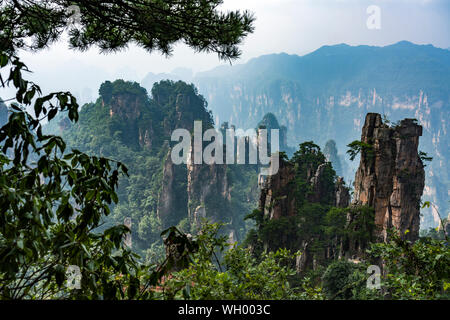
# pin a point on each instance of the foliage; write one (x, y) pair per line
(418, 270)
(108, 90)
(151, 24)
(51, 202)
(115, 129)
(120, 135)
(357, 147)
(361, 227)
(424, 157)
(443, 222)
(433, 233)
(308, 158)
(239, 276)
(309, 224)
(336, 279)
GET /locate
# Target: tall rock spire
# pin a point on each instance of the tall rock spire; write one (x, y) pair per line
(391, 176)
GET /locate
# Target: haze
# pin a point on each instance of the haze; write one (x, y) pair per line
(291, 26)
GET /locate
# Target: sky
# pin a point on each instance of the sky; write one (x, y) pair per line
(291, 26)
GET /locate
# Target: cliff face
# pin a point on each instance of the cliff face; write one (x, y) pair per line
(127, 106)
(172, 199)
(277, 197)
(134, 116)
(192, 190)
(391, 176)
(342, 195)
(208, 191)
(280, 199)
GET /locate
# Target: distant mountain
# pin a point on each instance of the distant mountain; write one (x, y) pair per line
(326, 94)
(183, 74)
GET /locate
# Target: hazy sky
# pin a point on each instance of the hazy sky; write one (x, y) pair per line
(292, 26)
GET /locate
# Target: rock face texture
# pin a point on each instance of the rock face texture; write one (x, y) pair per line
(127, 106)
(132, 110)
(342, 195)
(208, 191)
(277, 197)
(172, 201)
(278, 200)
(391, 176)
(193, 190)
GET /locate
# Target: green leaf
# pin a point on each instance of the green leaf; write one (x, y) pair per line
(90, 195)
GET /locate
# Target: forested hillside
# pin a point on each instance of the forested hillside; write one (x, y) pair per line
(130, 125)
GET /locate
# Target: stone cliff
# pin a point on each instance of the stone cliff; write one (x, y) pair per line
(208, 191)
(280, 199)
(191, 190)
(391, 176)
(277, 198)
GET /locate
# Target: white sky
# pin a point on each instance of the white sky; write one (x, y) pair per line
(292, 26)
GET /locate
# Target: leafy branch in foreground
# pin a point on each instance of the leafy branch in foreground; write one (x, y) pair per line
(113, 25)
(238, 276)
(51, 202)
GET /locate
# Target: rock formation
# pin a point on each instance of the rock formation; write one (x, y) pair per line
(342, 195)
(277, 194)
(277, 198)
(391, 176)
(193, 190)
(208, 191)
(172, 200)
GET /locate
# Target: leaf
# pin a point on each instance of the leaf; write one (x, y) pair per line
(114, 197)
(38, 106)
(20, 244)
(90, 195)
(3, 60)
(52, 113)
(426, 204)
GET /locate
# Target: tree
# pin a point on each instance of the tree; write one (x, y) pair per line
(357, 147)
(52, 200)
(113, 25)
(238, 276)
